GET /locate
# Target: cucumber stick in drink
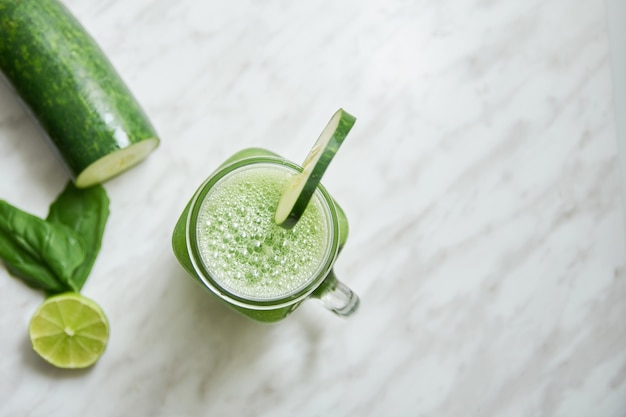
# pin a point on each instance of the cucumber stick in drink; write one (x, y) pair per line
(71, 88)
(300, 189)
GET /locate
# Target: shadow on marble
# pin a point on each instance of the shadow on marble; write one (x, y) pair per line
(38, 365)
(230, 345)
(218, 336)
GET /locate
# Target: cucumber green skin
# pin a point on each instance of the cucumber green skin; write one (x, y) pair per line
(67, 83)
(181, 250)
(344, 127)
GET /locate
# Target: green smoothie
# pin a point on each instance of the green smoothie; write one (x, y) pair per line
(245, 252)
(227, 239)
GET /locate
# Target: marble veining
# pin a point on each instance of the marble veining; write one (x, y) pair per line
(482, 182)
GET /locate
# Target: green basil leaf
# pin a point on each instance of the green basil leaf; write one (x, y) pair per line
(85, 211)
(31, 245)
(28, 268)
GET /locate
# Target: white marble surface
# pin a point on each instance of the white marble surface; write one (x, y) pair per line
(482, 182)
(616, 11)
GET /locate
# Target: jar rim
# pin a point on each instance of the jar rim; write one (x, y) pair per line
(303, 291)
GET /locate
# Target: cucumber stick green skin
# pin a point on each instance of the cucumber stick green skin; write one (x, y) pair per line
(68, 84)
(325, 149)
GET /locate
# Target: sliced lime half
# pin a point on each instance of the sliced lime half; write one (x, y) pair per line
(69, 331)
(301, 187)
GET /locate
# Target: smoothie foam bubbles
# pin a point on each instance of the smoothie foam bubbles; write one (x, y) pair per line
(243, 248)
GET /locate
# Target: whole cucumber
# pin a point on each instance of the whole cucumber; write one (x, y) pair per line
(71, 88)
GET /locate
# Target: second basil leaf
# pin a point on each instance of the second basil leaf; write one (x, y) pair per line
(85, 211)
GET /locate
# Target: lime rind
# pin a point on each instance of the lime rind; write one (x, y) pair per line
(301, 187)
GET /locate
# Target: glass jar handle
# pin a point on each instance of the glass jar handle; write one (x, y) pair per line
(336, 296)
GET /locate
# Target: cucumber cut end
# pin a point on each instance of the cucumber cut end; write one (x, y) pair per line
(115, 163)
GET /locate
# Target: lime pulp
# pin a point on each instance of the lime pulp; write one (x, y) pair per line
(69, 331)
